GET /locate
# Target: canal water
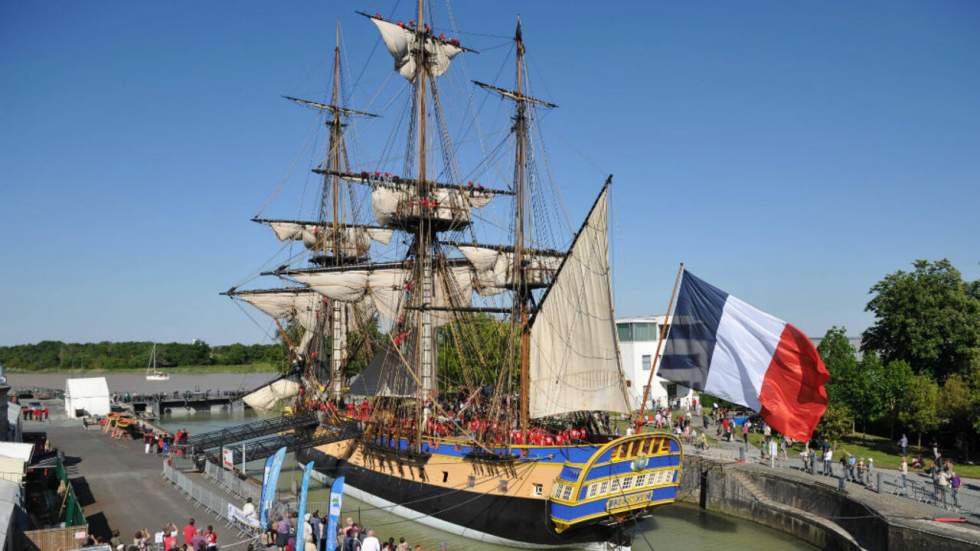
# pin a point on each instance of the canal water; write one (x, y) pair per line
(677, 527)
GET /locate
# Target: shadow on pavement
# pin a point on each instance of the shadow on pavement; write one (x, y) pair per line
(82, 491)
(71, 460)
(98, 526)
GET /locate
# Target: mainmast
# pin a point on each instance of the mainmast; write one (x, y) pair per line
(523, 294)
(426, 346)
(338, 316)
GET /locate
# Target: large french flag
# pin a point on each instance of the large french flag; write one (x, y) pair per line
(725, 347)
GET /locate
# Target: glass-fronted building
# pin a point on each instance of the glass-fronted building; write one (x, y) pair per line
(638, 338)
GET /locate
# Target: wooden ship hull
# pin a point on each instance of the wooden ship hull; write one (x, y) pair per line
(528, 496)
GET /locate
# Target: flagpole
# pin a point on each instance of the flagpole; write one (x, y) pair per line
(660, 344)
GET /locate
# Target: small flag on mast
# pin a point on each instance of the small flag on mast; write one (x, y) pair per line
(725, 347)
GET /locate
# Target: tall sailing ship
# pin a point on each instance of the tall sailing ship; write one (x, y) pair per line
(490, 382)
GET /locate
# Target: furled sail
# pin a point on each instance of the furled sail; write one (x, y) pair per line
(386, 288)
(495, 268)
(395, 204)
(401, 43)
(574, 358)
(355, 241)
(298, 305)
(267, 396)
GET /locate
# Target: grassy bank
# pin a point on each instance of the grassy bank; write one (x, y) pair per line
(183, 369)
(885, 452)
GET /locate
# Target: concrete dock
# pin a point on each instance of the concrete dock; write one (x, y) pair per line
(120, 487)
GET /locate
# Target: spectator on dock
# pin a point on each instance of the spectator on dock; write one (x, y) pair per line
(248, 510)
(282, 533)
(169, 536)
(903, 444)
(189, 531)
(828, 460)
(211, 538)
(904, 473)
(370, 542)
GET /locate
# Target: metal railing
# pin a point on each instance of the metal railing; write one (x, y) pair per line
(231, 482)
(205, 499)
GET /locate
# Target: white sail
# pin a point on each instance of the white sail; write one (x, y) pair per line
(574, 358)
(302, 307)
(354, 241)
(495, 268)
(386, 290)
(393, 203)
(401, 43)
(265, 398)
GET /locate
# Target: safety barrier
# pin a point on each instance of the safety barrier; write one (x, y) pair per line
(214, 503)
(231, 482)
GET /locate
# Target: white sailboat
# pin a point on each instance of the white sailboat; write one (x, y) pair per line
(152, 373)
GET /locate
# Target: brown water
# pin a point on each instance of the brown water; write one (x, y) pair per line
(137, 383)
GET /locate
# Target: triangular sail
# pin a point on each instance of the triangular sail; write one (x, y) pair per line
(574, 357)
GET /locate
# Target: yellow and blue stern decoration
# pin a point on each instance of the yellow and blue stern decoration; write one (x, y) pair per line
(627, 474)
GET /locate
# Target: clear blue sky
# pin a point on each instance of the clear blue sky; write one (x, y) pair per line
(791, 153)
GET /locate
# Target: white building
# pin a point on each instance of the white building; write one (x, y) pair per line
(638, 339)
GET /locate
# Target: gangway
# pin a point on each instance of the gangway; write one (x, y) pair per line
(250, 431)
(264, 447)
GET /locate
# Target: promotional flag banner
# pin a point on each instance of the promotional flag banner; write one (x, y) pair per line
(270, 479)
(336, 499)
(725, 347)
(301, 509)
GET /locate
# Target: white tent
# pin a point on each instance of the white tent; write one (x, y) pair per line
(91, 395)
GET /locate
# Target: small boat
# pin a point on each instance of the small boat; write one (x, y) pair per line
(152, 373)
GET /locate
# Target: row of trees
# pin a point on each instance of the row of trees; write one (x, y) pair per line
(133, 355)
(920, 368)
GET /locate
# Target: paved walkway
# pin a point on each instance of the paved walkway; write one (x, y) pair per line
(920, 489)
(120, 487)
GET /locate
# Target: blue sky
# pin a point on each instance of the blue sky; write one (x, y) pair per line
(791, 153)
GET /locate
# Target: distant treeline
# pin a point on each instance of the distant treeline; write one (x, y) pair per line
(48, 355)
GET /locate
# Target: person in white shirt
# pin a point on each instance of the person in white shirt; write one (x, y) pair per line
(371, 542)
(248, 511)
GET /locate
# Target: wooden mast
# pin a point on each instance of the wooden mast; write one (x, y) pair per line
(425, 355)
(660, 344)
(523, 295)
(337, 318)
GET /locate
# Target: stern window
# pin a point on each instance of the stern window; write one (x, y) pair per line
(538, 489)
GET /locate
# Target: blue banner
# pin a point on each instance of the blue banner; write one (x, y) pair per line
(270, 479)
(301, 509)
(336, 499)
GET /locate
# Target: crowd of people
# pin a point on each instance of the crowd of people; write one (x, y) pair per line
(170, 538)
(161, 443)
(350, 536)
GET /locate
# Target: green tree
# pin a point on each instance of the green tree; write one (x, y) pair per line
(836, 422)
(929, 317)
(958, 408)
(895, 382)
(854, 384)
(921, 409)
